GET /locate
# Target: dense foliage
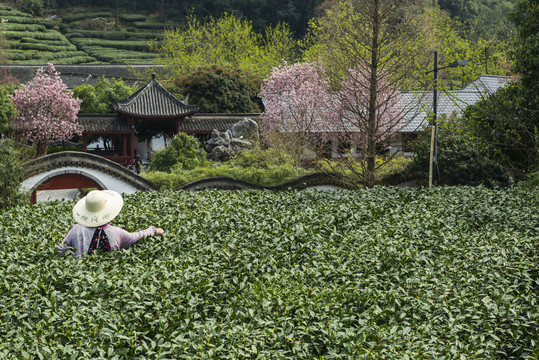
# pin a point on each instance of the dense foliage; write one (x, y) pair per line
(505, 127)
(97, 98)
(7, 109)
(12, 173)
(228, 41)
(219, 89)
(383, 273)
(266, 167)
(460, 159)
(183, 152)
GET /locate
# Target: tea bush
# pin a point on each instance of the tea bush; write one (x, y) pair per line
(84, 16)
(381, 273)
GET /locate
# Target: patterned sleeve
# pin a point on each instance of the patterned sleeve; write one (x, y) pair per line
(127, 239)
(71, 242)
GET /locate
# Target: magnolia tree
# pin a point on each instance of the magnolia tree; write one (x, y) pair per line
(298, 107)
(46, 110)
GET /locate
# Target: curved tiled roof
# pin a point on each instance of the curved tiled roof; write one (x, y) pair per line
(201, 123)
(153, 101)
(103, 123)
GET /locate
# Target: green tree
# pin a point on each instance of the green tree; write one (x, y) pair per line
(7, 109)
(526, 48)
(460, 161)
(218, 89)
(226, 41)
(97, 99)
(506, 124)
(183, 152)
(506, 130)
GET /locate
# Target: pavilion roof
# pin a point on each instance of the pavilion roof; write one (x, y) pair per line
(153, 101)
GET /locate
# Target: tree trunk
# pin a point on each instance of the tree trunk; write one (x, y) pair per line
(373, 98)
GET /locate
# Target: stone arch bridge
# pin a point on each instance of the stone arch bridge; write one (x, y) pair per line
(76, 170)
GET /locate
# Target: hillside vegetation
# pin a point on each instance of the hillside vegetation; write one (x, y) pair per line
(84, 38)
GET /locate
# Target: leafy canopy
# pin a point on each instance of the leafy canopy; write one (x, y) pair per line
(226, 41)
(7, 109)
(219, 89)
(97, 99)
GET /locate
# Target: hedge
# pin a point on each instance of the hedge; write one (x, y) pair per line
(28, 40)
(23, 27)
(149, 25)
(43, 47)
(77, 17)
(14, 13)
(132, 17)
(28, 20)
(139, 45)
(46, 35)
(83, 59)
(113, 35)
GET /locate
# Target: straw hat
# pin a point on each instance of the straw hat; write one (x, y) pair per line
(97, 208)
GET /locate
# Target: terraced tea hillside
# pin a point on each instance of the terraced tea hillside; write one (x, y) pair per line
(29, 40)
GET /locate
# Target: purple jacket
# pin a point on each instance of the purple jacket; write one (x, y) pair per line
(79, 238)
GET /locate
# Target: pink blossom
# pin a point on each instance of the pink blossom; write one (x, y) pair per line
(46, 108)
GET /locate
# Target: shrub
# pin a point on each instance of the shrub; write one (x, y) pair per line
(12, 174)
(13, 13)
(149, 25)
(183, 152)
(113, 35)
(43, 47)
(257, 166)
(505, 127)
(132, 17)
(27, 20)
(137, 45)
(78, 17)
(44, 35)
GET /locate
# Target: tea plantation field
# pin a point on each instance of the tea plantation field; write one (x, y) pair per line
(385, 273)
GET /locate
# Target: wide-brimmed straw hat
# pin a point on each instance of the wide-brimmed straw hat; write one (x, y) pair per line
(97, 208)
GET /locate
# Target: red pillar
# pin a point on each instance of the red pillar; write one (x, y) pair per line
(132, 143)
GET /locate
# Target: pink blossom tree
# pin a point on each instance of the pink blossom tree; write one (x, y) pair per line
(46, 110)
(298, 107)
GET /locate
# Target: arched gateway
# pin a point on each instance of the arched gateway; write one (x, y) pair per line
(75, 170)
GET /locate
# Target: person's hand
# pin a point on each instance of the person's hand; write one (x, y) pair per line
(159, 231)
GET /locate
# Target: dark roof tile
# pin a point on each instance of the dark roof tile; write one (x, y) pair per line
(104, 123)
(153, 101)
(208, 122)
